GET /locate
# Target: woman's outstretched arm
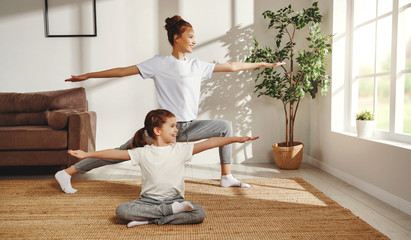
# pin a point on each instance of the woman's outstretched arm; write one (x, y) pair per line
(115, 72)
(104, 154)
(240, 66)
(218, 142)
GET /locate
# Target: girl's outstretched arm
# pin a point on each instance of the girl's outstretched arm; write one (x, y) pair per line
(115, 72)
(240, 66)
(104, 154)
(218, 142)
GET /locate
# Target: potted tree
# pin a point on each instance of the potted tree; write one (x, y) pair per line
(304, 72)
(365, 124)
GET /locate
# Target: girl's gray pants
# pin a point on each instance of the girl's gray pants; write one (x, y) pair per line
(159, 212)
(187, 131)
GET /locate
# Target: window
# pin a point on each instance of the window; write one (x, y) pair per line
(377, 64)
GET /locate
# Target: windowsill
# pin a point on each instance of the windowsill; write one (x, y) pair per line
(382, 141)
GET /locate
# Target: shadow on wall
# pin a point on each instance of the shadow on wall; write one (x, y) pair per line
(230, 96)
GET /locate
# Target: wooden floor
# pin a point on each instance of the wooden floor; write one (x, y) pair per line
(388, 220)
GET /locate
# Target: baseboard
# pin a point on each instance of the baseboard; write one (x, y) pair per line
(374, 191)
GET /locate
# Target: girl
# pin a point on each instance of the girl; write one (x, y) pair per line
(162, 171)
(177, 81)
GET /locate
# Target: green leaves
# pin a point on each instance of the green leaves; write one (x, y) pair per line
(290, 83)
(309, 76)
(365, 115)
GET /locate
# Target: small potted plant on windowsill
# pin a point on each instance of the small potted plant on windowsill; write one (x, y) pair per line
(365, 124)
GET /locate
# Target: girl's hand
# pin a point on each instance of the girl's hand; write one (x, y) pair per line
(218, 142)
(272, 65)
(245, 139)
(77, 153)
(76, 78)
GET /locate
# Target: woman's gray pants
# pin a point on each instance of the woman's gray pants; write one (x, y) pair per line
(187, 131)
(159, 212)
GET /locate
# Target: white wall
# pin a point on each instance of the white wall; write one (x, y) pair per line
(130, 31)
(380, 169)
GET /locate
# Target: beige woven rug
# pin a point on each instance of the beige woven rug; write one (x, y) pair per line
(270, 209)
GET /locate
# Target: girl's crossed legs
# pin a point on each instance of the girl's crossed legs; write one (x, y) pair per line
(147, 210)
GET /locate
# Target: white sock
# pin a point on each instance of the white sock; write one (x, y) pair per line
(182, 207)
(230, 181)
(63, 178)
(136, 223)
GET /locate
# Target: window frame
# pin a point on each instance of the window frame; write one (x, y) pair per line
(396, 76)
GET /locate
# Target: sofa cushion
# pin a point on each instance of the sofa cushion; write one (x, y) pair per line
(58, 119)
(32, 138)
(16, 119)
(74, 98)
(23, 102)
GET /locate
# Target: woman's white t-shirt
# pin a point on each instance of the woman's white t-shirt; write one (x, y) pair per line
(177, 83)
(162, 168)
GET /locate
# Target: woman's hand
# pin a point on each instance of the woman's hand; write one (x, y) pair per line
(272, 65)
(240, 66)
(246, 139)
(111, 73)
(78, 78)
(78, 154)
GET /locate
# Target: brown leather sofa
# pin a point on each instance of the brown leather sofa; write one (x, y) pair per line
(38, 128)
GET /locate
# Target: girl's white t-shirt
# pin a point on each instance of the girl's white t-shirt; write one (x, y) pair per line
(162, 168)
(177, 83)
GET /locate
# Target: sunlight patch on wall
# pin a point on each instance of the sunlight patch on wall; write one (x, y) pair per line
(210, 19)
(244, 12)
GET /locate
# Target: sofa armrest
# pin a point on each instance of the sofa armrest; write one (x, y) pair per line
(58, 119)
(81, 133)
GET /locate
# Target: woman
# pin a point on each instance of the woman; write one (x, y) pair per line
(177, 81)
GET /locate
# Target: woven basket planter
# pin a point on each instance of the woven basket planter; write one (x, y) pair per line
(288, 157)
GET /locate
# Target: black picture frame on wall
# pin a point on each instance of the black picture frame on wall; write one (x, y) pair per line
(51, 31)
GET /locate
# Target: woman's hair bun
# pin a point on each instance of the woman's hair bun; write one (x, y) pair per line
(175, 25)
(170, 22)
